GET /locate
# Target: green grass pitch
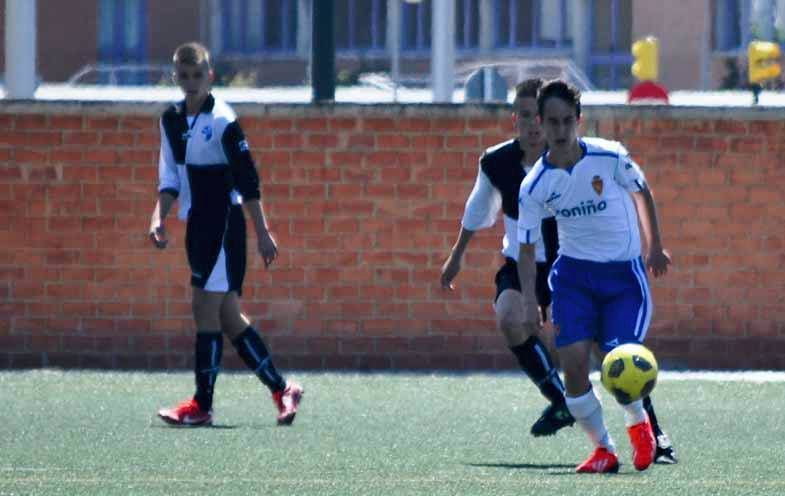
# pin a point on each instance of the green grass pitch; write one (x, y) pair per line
(374, 434)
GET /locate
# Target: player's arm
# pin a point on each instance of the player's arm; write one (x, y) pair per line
(482, 208)
(246, 180)
(527, 274)
(530, 215)
(657, 258)
(630, 176)
(168, 190)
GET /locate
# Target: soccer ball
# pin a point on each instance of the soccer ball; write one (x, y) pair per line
(629, 372)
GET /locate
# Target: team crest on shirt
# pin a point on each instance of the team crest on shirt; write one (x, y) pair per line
(596, 183)
(207, 131)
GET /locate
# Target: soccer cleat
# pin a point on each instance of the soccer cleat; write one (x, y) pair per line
(665, 453)
(643, 444)
(552, 419)
(188, 413)
(601, 461)
(287, 401)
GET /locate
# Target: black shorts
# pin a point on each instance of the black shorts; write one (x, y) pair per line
(507, 278)
(216, 247)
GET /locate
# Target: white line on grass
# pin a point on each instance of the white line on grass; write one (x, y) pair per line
(755, 376)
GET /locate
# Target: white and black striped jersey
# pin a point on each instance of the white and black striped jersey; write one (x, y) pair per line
(205, 161)
(498, 182)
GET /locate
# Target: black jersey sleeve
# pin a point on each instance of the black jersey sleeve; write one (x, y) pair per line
(244, 174)
(550, 237)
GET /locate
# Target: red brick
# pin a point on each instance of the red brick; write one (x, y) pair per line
(342, 123)
(66, 121)
(428, 142)
(107, 123)
(747, 145)
(379, 124)
(361, 141)
(10, 173)
(311, 124)
(468, 142)
(730, 127)
(322, 140)
(392, 141)
(288, 140)
(84, 138)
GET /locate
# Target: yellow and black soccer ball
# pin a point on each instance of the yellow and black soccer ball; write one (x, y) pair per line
(629, 372)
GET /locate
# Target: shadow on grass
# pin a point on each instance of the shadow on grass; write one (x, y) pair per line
(553, 468)
(523, 466)
(191, 427)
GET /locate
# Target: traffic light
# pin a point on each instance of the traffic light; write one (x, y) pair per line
(646, 53)
(762, 59)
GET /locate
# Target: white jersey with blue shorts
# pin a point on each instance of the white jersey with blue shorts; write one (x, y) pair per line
(599, 284)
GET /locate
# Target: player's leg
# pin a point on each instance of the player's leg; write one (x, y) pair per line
(251, 348)
(666, 453)
(575, 314)
(535, 360)
(207, 360)
(533, 357)
(207, 239)
(586, 408)
(531, 353)
(237, 326)
(625, 316)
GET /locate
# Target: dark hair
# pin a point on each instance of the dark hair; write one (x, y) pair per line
(562, 90)
(528, 88)
(192, 53)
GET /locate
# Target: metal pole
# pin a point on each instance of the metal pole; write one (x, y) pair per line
(20, 49)
(323, 51)
(394, 23)
(443, 50)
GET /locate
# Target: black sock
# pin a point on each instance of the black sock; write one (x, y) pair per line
(536, 362)
(652, 416)
(209, 347)
(255, 355)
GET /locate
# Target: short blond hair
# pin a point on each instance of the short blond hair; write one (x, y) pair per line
(192, 53)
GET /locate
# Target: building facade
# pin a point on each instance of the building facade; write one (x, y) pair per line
(262, 42)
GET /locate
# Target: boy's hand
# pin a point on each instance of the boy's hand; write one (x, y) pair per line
(158, 235)
(657, 261)
(268, 249)
(450, 269)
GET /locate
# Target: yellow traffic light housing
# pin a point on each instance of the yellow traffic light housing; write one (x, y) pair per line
(762, 59)
(646, 53)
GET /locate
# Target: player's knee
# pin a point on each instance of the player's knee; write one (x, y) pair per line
(511, 325)
(206, 313)
(234, 325)
(576, 378)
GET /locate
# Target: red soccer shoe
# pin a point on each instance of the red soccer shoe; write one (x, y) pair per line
(287, 402)
(601, 461)
(643, 444)
(188, 413)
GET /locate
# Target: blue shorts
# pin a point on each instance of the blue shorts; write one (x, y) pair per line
(609, 302)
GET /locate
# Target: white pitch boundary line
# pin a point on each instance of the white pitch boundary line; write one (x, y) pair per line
(754, 376)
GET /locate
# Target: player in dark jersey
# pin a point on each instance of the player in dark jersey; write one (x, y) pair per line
(502, 168)
(205, 163)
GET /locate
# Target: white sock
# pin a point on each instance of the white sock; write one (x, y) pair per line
(634, 413)
(587, 411)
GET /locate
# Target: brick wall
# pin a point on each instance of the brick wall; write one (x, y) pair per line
(365, 202)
